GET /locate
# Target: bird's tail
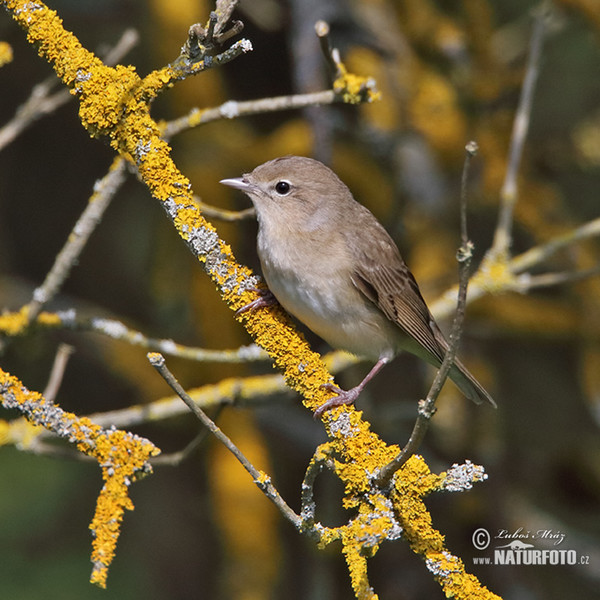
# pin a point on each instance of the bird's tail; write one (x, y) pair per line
(459, 374)
(468, 385)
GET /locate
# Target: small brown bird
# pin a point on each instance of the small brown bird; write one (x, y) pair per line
(331, 264)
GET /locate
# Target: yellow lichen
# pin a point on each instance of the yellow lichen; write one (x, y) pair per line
(14, 323)
(49, 319)
(18, 432)
(6, 53)
(354, 89)
(120, 454)
(494, 275)
(412, 484)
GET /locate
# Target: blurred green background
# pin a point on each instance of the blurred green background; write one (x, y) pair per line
(449, 72)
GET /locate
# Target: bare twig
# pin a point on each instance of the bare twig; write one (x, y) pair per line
(539, 254)
(232, 109)
(174, 459)
(508, 194)
(58, 370)
(262, 480)
(127, 42)
(119, 331)
(223, 214)
(322, 31)
(527, 282)
(224, 10)
(427, 407)
(104, 191)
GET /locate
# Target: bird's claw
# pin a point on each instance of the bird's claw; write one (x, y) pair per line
(265, 298)
(344, 397)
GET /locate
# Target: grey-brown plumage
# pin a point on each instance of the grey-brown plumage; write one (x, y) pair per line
(331, 264)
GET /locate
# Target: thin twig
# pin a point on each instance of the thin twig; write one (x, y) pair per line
(127, 42)
(223, 214)
(58, 371)
(191, 63)
(508, 194)
(427, 407)
(322, 31)
(232, 109)
(117, 330)
(539, 254)
(527, 282)
(262, 480)
(174, 459)
(483, 283)
(471, 150)
(104, 191)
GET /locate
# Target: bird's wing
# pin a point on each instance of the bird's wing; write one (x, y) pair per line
(387, 282)
(381, 275)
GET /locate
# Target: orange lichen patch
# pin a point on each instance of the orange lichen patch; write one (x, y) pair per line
(363, 452)
(383, 517)
(15, 323)
(412, 484)
(357, 567)
(105, 93)
(121, 455)
(362, 536)
(49, 319)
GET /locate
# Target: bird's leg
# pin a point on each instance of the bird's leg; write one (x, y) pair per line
(265, 298)
(349, 396)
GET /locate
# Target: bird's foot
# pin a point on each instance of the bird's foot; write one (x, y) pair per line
(265, 298)
(343, 397)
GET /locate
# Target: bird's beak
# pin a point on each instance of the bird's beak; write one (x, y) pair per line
(239, 183)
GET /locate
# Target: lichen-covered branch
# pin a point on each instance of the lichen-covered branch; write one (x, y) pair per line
(239, 391)
(121, 455)
(413, 483)
(41, 102)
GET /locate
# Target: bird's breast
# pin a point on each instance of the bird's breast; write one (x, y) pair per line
(313, 283)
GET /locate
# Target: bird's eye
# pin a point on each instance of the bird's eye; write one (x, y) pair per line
(283, 187)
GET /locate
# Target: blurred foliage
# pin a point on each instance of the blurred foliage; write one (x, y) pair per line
(448, 72)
